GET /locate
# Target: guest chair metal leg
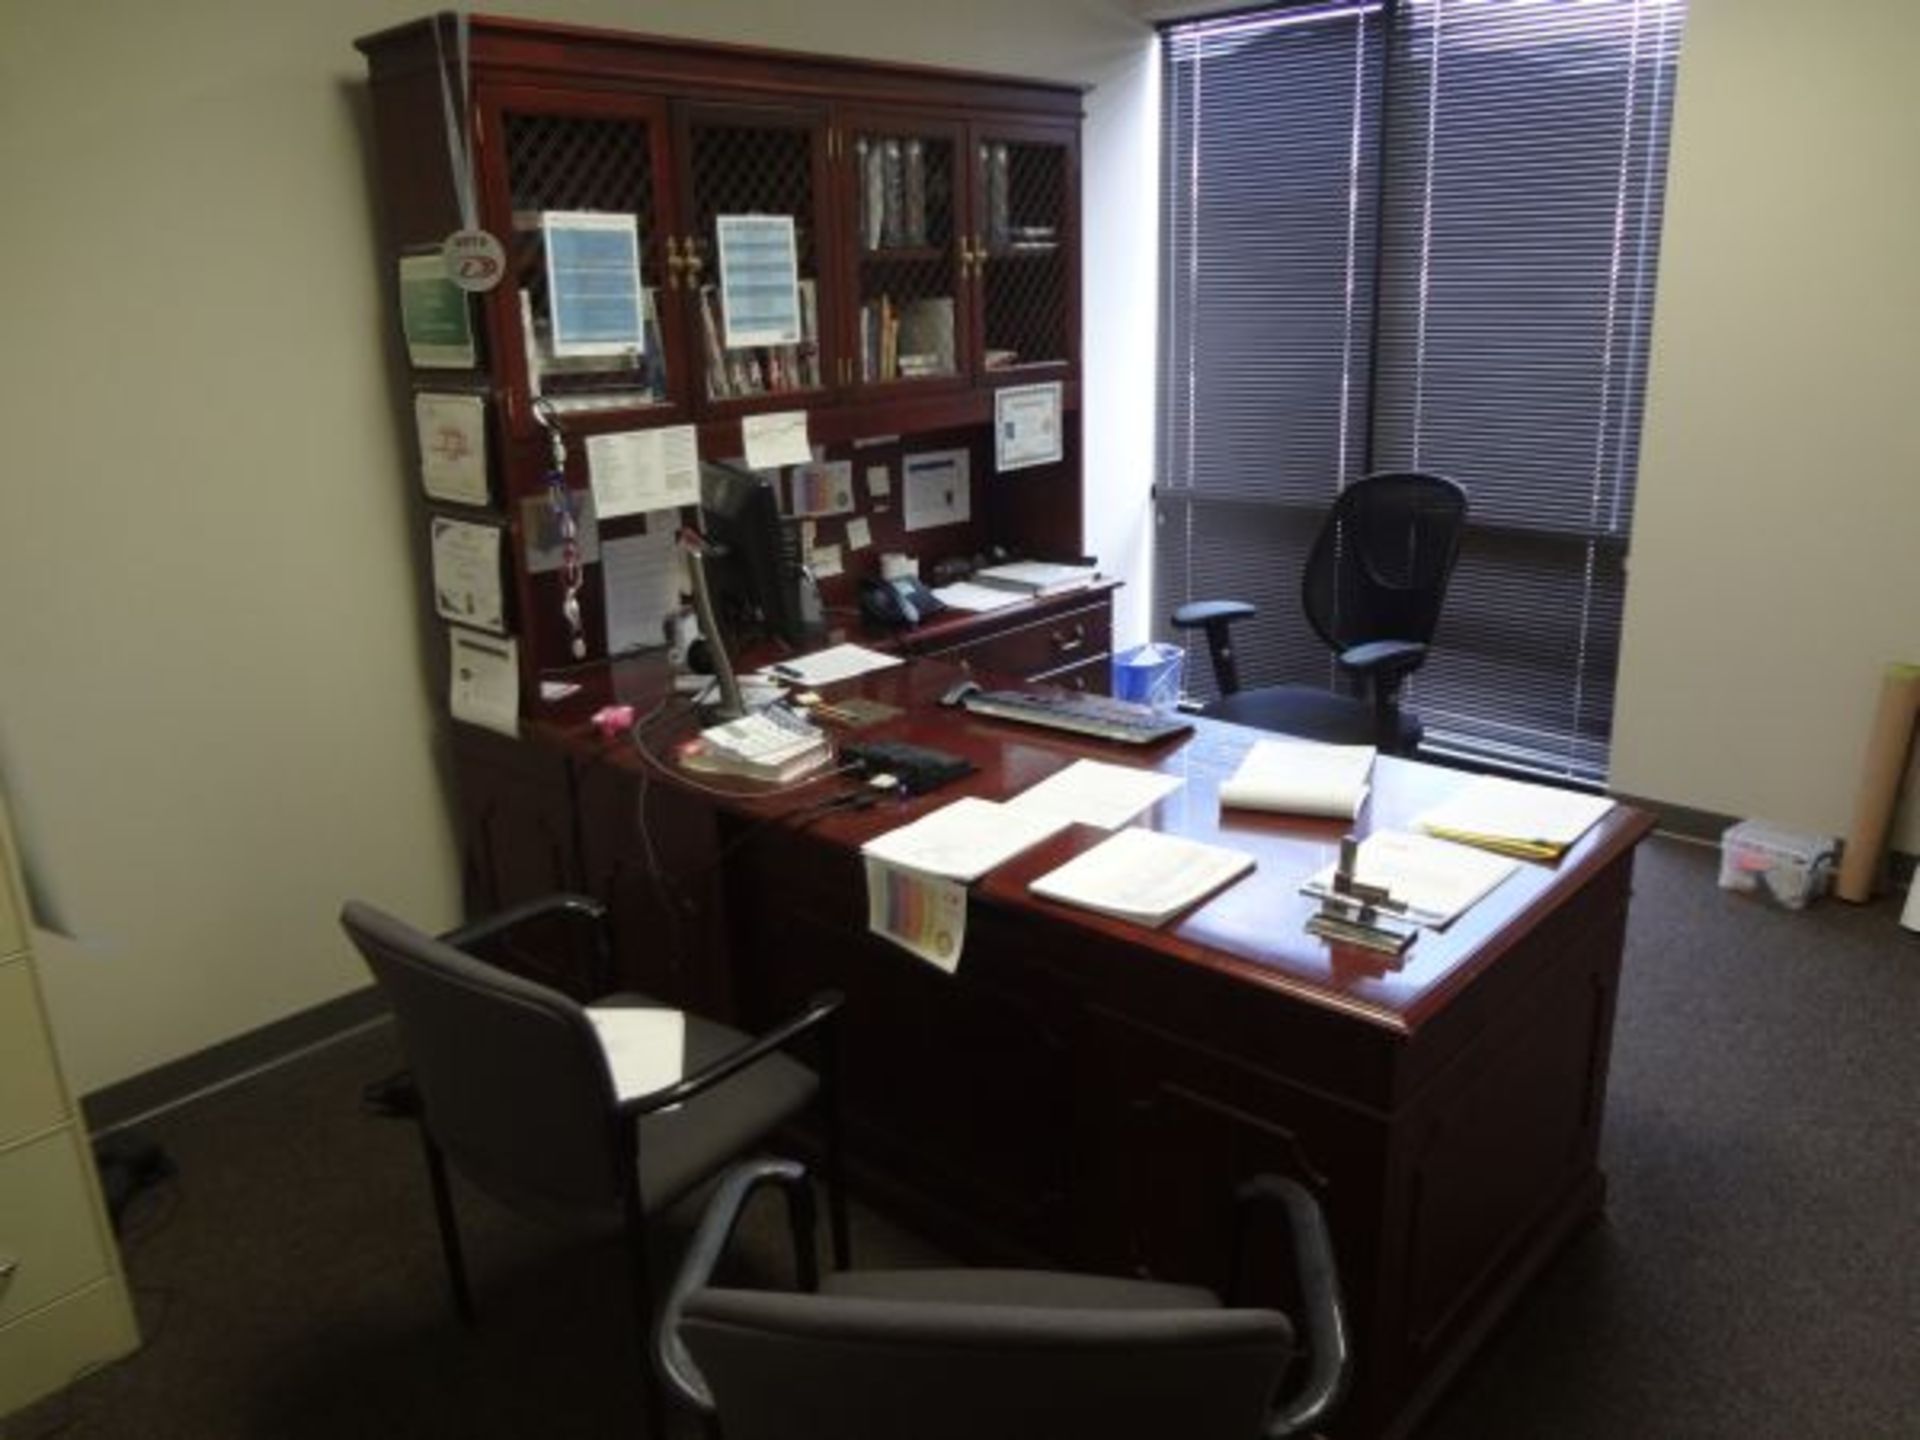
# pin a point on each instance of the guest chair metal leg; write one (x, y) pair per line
(449, 1228)
(836, 1151)
(640, 1283)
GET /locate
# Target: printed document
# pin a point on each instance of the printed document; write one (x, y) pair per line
(641, 470)
(1144, 875)
(836, 662)
(1436, 880)
(1534, 822)
(924, 915)
(775, 439)
(964, 840)
(1092, 792)
(1297, 777)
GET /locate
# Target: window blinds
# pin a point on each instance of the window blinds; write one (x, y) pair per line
(1502, 268)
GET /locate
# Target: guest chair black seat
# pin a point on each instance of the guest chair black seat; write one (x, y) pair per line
(1372, 590)
(516, 1091)
(1011, 1354)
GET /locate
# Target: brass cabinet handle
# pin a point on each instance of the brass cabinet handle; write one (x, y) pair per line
(675, 262)
(693, 262)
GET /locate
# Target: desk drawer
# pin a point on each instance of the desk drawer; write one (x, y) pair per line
(1069, 639)
(30, 1099)
(46, 1224)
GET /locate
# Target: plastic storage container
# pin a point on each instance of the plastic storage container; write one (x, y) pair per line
(1149, 675)
(1789, 866)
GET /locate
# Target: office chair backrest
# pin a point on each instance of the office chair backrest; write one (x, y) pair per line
(513, 1081)
(1380, 564)
(825, 1367)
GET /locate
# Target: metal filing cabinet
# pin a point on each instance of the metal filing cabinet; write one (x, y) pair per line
(64, 1307)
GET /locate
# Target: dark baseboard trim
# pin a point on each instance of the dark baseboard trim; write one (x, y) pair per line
(230, 1061)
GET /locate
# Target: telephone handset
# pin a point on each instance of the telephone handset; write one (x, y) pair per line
(900, 601)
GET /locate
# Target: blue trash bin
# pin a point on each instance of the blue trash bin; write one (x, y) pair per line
(1149, 675)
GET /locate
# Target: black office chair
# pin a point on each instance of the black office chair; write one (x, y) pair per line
(1372, 589)
(1010, 1354)
(515, 1089)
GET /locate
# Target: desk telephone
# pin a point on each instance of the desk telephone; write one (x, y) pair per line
(900, 601)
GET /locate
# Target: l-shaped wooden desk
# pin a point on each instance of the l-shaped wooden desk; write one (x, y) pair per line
(1089, 1092)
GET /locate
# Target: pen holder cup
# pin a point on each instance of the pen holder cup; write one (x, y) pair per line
(1149, 675)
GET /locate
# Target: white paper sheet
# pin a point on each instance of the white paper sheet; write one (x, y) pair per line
(879, 482)
(1026, 426)
(594, 300)
(453, 447)
(639, 470)
(964, 840)
(934, 489)
(643, 576)
(1297, 777)
(1092, 792)
(1533, 819)
(466, 574)
(824, 487)
(646, 1048)
(775, 439)
(837, 662)
(826, 562)
(1143, 875)
(965, 595)
(859, 534)
(759, 280)
(484, 680)
(1435, 879)
(923, 914)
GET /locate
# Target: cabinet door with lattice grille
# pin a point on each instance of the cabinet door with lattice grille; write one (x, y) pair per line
(902, 215)
(577, 185)
(1024, 251)
(754, 253)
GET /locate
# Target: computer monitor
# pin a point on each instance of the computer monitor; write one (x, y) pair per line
(753, 564)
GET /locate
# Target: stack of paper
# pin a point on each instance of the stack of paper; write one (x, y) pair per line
(1091, 792)
(964, 840)
(1143, 875)
(1433, 879)
(1534, 822)
(965, 595)
(836, 662)
(1037, 577)
(1295, 777)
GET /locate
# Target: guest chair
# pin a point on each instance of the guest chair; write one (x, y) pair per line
(1372, 590)
(514, 1088)
(1010, 1354)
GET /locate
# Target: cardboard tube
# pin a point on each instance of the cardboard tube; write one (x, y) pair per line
(1880, 776)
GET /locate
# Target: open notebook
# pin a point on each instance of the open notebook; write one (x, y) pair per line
(1143, 875)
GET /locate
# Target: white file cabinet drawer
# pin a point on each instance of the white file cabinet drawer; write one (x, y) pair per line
(47, 1231)
(45, 1350)
(30, 1096)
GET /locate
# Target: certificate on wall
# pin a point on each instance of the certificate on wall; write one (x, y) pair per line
(934, 489)
(759, 279)
(453, 447)
(434, 315)
(484, 681)
(1026, 426)
(466, 574)
(594, 301)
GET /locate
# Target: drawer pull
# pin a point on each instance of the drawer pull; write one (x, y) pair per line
(1067, 644)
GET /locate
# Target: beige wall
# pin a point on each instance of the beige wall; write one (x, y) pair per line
(213, 716)
(1776, 549)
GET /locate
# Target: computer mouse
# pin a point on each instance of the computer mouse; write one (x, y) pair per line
(956, 693)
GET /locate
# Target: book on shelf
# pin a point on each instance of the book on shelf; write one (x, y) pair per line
(745, 371)
(1037, 577)
(1144, 876)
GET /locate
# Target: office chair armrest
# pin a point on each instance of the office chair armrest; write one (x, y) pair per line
(492, 927)
(709, 1243)
(1329, 1352)
(1383, 659)
(818, 1013)
(1197, 613)
(475, 935)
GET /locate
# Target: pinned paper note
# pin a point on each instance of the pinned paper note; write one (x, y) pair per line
(434, 315)
(825, 562)
(640, 470)
(923, 914)
(484, 681)
(466, 573)
(775, 439)
(859, 533)
(934, 489)
(879, 482)
(453, 447)
(643, 577)
(824, 487)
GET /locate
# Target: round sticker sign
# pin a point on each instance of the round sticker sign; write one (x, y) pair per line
(475, 260)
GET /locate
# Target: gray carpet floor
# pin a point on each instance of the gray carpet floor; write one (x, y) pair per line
(1757, 1273)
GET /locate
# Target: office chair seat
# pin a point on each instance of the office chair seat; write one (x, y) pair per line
(686, 1145)
(1319, 715)
(1038, 1289)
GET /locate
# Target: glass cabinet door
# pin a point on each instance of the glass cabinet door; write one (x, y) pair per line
(582, 177)
(903, 204)
(1023, 246)
(750, 260)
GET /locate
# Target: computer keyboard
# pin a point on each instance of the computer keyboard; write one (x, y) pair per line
(1083, 714)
